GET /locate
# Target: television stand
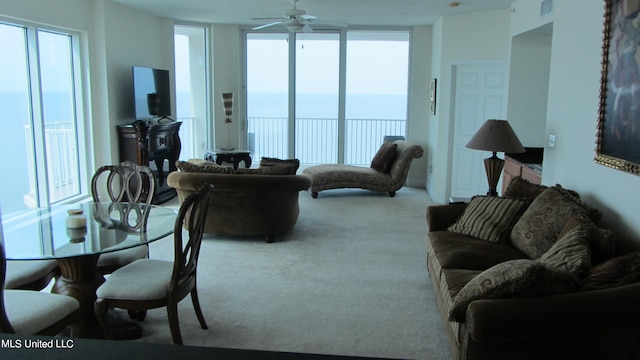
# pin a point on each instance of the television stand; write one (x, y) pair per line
(143, 143)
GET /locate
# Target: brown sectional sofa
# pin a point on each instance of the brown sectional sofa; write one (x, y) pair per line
(500, 299)
(252, 202)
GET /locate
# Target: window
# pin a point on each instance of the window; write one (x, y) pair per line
(306, 98)
(41, 116)
(192, 104)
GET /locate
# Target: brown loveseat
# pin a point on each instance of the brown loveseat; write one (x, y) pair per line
(504, 296)
(250, 203)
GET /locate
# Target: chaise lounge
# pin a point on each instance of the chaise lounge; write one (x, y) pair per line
(387, 173)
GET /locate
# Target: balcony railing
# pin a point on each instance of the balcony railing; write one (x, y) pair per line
(316, 139)
(316, 143)
(61, 159)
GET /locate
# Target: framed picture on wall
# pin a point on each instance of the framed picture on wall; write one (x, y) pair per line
(618, 138)
(432, 96)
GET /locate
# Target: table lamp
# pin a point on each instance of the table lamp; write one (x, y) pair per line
(495, 136)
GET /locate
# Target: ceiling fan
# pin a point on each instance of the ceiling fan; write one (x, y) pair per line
(295, 20)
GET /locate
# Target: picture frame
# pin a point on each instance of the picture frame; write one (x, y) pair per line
(432, 96)
(618, 128)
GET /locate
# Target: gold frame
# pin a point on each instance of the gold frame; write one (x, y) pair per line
(618, 141)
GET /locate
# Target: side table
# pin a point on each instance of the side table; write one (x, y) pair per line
(231, 156)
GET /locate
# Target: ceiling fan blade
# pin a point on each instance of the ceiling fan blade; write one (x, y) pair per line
(306, 17)
(267, 18)
(266, 25)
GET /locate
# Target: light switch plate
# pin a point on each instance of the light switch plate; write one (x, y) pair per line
(552, 141)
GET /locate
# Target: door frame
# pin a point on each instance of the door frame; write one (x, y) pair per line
(455, 66)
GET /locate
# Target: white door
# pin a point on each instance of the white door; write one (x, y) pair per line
(480, 94)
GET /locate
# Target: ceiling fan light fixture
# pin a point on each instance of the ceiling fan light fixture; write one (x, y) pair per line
(294, 25)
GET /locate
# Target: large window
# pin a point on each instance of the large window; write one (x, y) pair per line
(326, 97)
(40, 113)
(192, 90)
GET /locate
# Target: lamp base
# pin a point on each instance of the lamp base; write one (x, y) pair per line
(493, 166)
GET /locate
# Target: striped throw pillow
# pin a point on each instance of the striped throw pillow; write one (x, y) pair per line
(490, 218)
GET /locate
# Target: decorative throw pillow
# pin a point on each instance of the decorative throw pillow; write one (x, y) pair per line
(602, 244)
(292, 164)
(514, 278)
(601, 241)
(267, 170)
(538, 228)
(621, 270)
(523, 189)
(213, 168)
(489, 218)
(384, 157)
(593, 213)
(571, 252)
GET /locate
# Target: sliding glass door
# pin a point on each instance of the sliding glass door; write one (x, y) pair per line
(192, 90)
(326, 97)
(40, 112)
(316, 88)
(268, 95)
(376, 91)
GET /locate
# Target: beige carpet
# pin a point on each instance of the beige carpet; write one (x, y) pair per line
(349, 279)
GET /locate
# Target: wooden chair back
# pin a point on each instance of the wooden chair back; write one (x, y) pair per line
(126, 181)
(191, 218)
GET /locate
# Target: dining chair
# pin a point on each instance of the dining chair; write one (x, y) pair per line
(149, 283)
(29, 312)
(129, 182)
(30, 274)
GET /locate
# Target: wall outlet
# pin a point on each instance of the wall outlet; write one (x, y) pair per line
(552, 141)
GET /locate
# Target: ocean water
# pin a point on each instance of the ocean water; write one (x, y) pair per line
(315, 105)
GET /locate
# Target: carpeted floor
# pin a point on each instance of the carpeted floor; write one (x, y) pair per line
(350, 279)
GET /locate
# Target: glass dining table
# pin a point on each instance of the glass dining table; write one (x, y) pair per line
(75, 235)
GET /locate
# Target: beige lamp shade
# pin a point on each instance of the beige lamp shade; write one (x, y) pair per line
(496, 136)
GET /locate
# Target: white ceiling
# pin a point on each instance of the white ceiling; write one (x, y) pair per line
(351, 12)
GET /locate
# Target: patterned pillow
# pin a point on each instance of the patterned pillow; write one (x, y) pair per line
(203, 167)
(593, 213)
(523, 189)
(602, 244)
(514, 278)
(292, 164)
(621, 270)
(384, 157)
(571, 252)
(267, 170)
(489, 218)
(538, 228)
(601, 241)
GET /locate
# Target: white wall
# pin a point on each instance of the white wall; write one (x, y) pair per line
(418, 111)
(226, 41)
(529, 86)
(459, 39)
(572, 116)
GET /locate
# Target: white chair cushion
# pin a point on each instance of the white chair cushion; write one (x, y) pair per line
(123, 257)
(146, 279)
(32, 311)
(20, 273)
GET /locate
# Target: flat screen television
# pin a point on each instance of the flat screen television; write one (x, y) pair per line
(152, 93)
